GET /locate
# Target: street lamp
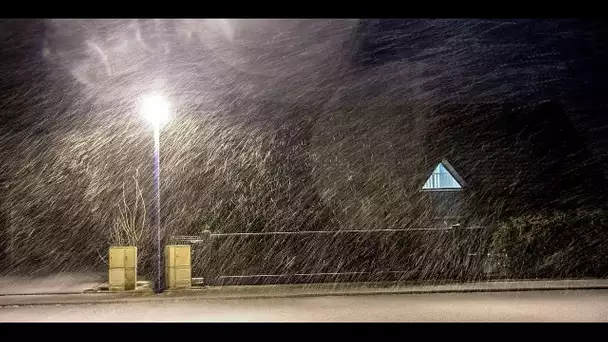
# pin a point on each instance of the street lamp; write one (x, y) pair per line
(155, 109)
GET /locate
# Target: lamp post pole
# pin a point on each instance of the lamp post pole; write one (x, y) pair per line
(158, 286)
(155, 109)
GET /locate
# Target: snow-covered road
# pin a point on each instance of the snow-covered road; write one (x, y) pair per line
(535, 306)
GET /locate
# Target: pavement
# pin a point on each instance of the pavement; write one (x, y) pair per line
(87, 289)
(510, 306)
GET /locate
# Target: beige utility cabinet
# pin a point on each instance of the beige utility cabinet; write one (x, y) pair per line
(123, 268)
(178, 270)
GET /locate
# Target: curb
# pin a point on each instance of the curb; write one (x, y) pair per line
(216, 294)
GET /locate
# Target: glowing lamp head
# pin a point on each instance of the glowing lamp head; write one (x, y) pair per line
(155, 109)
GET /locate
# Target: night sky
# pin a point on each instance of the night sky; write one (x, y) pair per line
(519, 61)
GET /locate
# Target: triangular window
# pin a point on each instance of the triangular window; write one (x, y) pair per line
(443, 178)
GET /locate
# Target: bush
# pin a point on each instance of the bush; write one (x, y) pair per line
(131, 225)
(553, 245)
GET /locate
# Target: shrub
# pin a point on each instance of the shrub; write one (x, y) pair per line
(562, 244)
(131, 224)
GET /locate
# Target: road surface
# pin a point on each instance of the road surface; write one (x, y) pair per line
(535, 306)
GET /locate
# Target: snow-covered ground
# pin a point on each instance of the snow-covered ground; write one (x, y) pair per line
(58, 283)
(538, 306)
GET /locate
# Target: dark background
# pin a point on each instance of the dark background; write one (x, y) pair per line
(256, 136)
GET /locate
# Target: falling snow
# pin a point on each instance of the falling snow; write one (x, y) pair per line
(320, 130)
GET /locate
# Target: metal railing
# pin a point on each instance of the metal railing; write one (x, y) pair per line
(197, 239)
(340, 255)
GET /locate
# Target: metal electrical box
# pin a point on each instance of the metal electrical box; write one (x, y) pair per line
(178, 270)
(123, 268)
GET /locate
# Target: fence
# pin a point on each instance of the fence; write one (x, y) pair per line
(334, 256)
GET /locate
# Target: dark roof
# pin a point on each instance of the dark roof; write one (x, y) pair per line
(519, 158)
(532, 157)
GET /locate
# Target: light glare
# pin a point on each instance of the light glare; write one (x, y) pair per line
(155, 109)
